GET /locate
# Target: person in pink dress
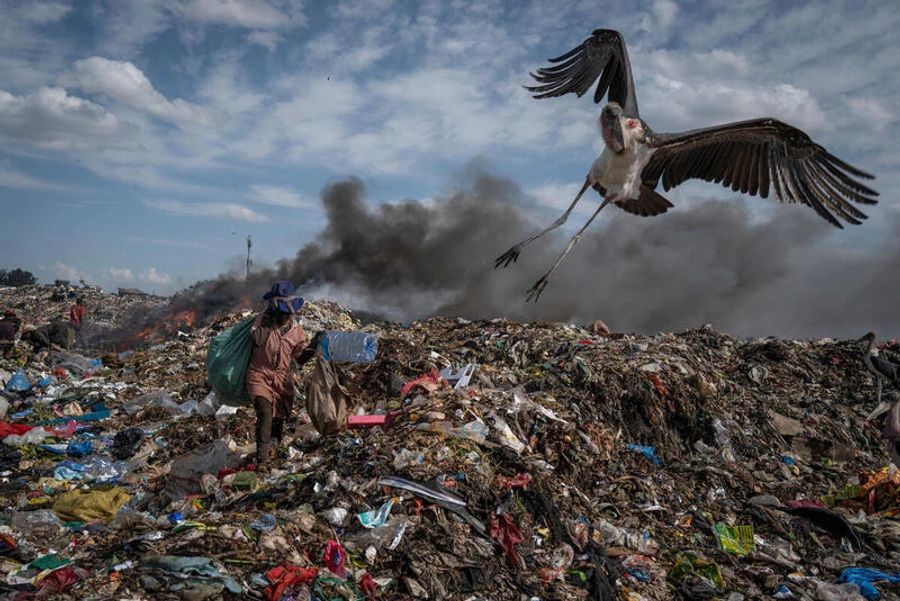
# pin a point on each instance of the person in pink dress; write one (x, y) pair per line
(278, 341)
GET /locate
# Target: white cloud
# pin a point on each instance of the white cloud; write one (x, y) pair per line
(661, 16)
(123, 81)
(121, 274)
(155, 277)
(228, 210)
(127, 25)
(43, 13)
(874, 112)
(67, 272)
(559, 196)
(279, 197)
(51, 118)
(266, 39)
(10, 178)
(252, 14)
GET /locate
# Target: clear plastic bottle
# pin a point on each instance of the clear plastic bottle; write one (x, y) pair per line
(353, 347)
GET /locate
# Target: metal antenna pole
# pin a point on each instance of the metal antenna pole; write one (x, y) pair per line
(249, 262)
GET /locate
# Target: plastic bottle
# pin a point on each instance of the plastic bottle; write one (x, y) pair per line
(353, 347)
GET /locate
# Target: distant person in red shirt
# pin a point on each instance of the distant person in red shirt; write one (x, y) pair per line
(76, 319)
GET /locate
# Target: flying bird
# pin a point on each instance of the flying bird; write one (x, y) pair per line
(756, 157)
(877, 365)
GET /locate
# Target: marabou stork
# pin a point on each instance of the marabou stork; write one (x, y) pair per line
(754, 157)
(879, 367)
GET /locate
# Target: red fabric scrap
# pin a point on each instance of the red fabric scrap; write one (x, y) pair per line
(658, 384)
(284, 577)
(368, 586)
(67, 431)
(505, 533)
(334, 558)
(518, 481)
(430, 382)
(57, 582)
(7, 428)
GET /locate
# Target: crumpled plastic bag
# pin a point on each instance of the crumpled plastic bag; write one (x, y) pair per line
(187, 470)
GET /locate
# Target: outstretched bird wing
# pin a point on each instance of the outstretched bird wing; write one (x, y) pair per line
(756, 156)
(602, 55)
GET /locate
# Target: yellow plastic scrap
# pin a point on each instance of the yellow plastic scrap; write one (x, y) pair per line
(90, 506)
(735, 539)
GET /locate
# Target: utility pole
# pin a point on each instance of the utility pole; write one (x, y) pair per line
(249, 262)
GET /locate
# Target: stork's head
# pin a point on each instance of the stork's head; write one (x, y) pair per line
(619, 131)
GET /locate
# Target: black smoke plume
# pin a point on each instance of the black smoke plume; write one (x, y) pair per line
(709, 263)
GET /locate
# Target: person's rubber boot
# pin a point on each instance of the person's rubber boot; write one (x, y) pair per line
(263, 458)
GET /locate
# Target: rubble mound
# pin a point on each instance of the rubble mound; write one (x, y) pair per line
(512, 461)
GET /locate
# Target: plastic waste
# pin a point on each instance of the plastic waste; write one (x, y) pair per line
(735, 539)
(723, 439)
(127, 442)
(32, 436)
(646, 450)
(404, 458)
(353, 347)
(187, 470)
(504, 434)
(19, 382)
(42, 523)
(865, 578)
(226, 363)
(377, 517)
(80, 449)
(334, 558)
(265, 523)
(626, 537)
(336, 516)
(157, 398)
(825, 591)
(461, 378)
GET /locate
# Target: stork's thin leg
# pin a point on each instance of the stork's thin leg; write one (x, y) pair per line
(878, 383)
(512, 255)
(534, 292)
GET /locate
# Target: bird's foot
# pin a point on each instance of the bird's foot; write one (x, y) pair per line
(534, 293)
(510, 256)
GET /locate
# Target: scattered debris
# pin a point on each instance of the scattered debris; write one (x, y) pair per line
(483, 460)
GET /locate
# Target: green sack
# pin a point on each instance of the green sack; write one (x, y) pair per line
(226, 363)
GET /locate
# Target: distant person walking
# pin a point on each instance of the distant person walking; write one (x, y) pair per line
(9, 328)
(76, 320)
(277, 342)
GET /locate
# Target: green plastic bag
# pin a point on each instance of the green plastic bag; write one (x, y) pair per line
(226, 363)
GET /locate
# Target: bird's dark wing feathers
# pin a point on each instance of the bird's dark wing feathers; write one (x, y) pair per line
(758, 155)
(603, 56)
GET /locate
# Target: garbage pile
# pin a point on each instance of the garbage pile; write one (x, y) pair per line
(484, 460)
(41, 305)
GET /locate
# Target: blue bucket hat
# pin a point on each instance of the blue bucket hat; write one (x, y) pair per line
(283, 297)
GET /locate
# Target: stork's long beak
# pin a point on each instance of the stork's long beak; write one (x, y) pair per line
(866, 337)
(616, 135)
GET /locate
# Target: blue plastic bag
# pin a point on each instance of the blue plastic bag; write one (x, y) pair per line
(226, 363)
(80, 449)
(645, 450)
(19, 382)
(864, 577)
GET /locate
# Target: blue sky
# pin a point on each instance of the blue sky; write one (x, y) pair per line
(142, 141)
